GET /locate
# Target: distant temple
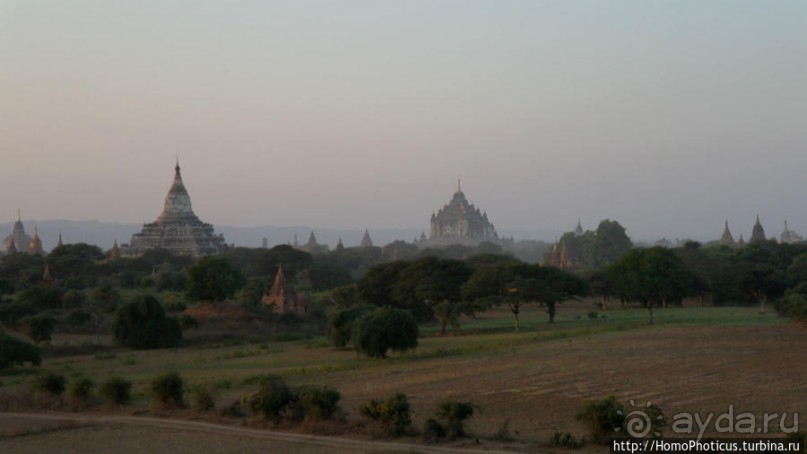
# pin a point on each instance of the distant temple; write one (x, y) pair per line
(311, 246)
(282, 297)
(758, 233)
(177, 229)
(366, 241)
(790, 237)
(19, 241)
(727, 239)
(459, 222)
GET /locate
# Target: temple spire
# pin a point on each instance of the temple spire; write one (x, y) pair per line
(459, 186)
(18, 215)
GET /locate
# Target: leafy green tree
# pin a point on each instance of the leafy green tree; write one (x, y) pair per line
(394, 413)
(213, 279)
(653, 276)
(252, 292)
(762, 281)
(16, 352)
(376, 286)
(610, 243)
(340, 325)
(75, 263)
(516, 284)
(100, 306)
(39, 328)
(433, 286)
(550, 286)
(326, 273)
(385, 329)
(142, 324)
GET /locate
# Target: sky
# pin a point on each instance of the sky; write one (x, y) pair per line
(667, 116)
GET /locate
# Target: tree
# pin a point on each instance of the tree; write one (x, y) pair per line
(142, 324)
(548, 285)
(610, 243)
(16, 352)
(340, 325)
(100, 306)
(653, 276)
(433, 286)
(376, 286)
(491, 285)
(385, 329)
(762, 281)
(38, 328)
(516, 284)
(213, 279)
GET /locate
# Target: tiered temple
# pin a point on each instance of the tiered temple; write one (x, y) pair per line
(459, 222)
(177, 229)
(19, 241)
(758, 233)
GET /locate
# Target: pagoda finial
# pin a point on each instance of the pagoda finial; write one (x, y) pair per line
(459, 186)
(176, 168)
(18, 215)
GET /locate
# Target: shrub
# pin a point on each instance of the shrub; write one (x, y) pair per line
(793, 305)
(393, 414)
(340, 325)
(116, 391)
(203, 398)
(167, 389)
(81, 389)
(53, 384)
(384, 329)
(16, 352)
(453, 414)
(39, 328)
(566, 440)
(433, 430)
(272, 399)
(319, 402)
(187, 322)
(605, 419)
(142, 324)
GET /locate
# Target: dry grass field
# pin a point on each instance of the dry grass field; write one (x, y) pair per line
(692, 360)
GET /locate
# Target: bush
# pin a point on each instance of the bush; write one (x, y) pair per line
(384, 329)
(187, 322)
(16, 352)
(793, 305)
(167, 389)
(272, 399)
(393, 414)
(605, 419)
(142, 324)
(116, 391)
(454, 414)
(318, 402)
(340, 325)
(81, 389)
(203, 398)
(39, 328)
(433, 430)
(566, 440)
(52, 384)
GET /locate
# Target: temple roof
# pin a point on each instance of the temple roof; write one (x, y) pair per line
(177, 201)
(727, 238)
(758, 234)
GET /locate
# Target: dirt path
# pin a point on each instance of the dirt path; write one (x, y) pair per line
(67, 433)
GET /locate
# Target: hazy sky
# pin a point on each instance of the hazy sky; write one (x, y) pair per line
(669, 116)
